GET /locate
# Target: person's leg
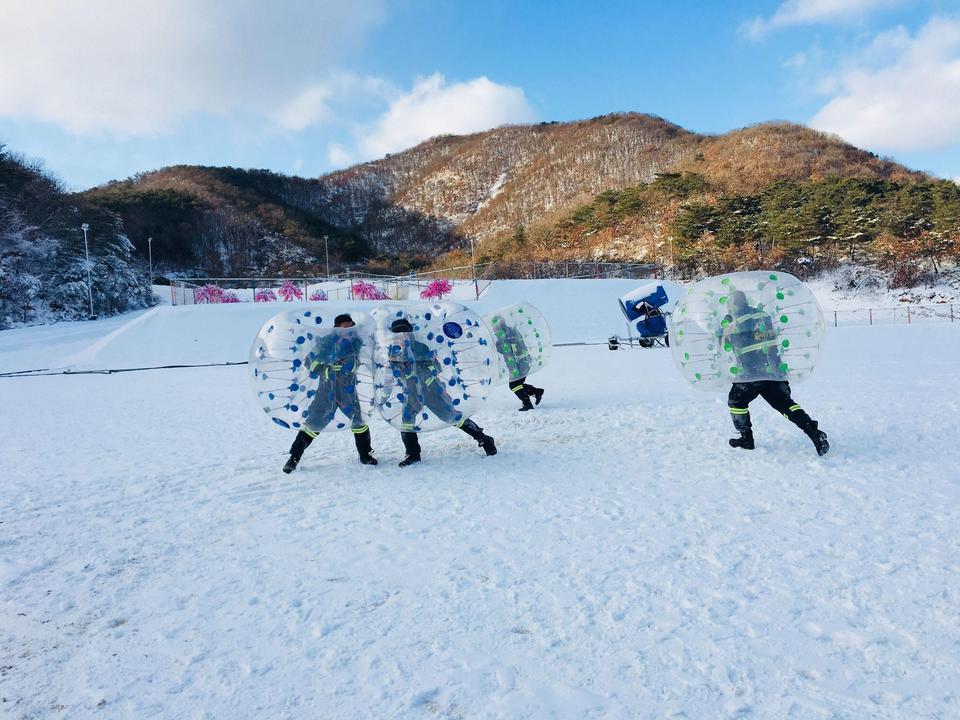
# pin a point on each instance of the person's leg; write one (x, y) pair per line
(520, 390)
(536, 392)
(411, 446)
(319, 414)
(300, 443)
(738, 401)
(476, 432)
(361, 436)
(778, 395)
(349, 405)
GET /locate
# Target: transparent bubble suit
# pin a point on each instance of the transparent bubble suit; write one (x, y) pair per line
(746, 326)
(522, 339)
(437, 375)
(309, 375)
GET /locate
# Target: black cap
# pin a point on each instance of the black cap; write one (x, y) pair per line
(342, 318)
(401, 325)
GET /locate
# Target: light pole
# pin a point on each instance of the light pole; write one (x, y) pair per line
(326, 252)
(86, 250)
(150, 253)
(473, 268)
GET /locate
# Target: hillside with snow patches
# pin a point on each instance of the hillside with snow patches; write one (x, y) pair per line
(615, 559)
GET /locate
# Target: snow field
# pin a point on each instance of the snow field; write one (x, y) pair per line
(615, 560)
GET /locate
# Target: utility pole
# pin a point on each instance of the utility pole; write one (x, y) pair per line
(86, 250)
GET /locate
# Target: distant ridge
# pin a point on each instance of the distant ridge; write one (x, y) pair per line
(411, 207)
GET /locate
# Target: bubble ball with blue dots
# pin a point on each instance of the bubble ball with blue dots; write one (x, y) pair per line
(309, 375)
(436, 375)
(746, 326)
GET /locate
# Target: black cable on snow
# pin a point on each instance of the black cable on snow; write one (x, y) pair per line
(45, 371)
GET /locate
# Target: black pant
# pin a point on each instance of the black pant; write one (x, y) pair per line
(776, 393)
(361, 437)
(412, 445)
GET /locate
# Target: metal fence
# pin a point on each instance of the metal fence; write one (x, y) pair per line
(900, 315)
(468, 280)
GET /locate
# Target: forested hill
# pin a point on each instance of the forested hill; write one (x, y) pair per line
(42, 263)
(410, 208)
(907, 229)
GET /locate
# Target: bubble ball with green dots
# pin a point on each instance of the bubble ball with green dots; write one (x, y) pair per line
(522, 338)
(746, 326)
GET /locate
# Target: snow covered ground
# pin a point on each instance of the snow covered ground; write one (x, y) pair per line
(615, 560)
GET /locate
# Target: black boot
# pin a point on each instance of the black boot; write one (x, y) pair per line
(819, 439)
(300, 443)
(525, 399)
(412, 446)
(741, 421)
(476, 432)
(537, 394)
(364, 448)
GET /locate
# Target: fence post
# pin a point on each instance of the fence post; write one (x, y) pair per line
(835, 318)
(871, 316)
(951, 312)
(908, 314)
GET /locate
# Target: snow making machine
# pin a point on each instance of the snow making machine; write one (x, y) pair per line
(647, 310)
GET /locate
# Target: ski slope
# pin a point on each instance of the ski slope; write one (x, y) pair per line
(616, 559)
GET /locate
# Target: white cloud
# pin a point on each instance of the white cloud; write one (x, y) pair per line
(338, 156)
(433, 108)
(139, 66)
(314, 104)
(901, 94)
(804, 12)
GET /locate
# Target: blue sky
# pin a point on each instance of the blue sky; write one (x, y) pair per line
(102, 89)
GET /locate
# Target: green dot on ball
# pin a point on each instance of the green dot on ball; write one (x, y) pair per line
(697, 376)
(784, 318)
(686, 356)
(785, 343)
(780, 296)
(773, 277)
(728, 346)
(723, 299)
(734, 370)
(725, 281)
(783, 367)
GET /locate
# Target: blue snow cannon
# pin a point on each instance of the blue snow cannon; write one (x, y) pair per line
(647, 309)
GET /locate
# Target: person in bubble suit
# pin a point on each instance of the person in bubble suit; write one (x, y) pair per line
(750, 333)
(514, 351)
(419, 376)
(334, 362)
